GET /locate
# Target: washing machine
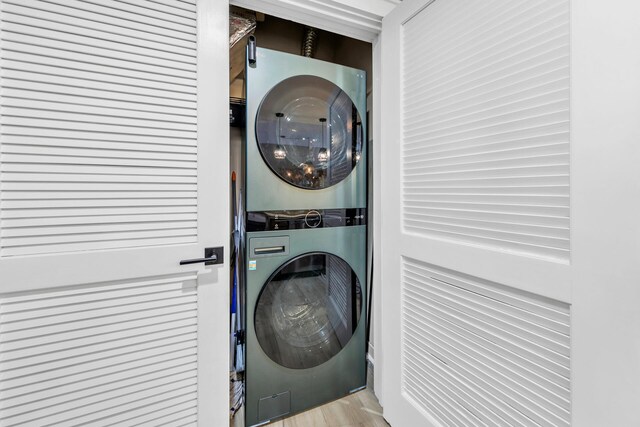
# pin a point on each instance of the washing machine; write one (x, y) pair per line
(306, 298)
(306, 123)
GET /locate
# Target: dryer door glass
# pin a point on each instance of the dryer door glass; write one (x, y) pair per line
(308, 311)
(309, 132)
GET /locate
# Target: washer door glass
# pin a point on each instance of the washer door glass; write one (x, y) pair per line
(308, 311)
(309, 132)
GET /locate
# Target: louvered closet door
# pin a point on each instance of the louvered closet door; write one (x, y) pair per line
(476, 233)
(113, 168)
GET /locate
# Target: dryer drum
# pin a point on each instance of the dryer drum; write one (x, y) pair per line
(308, 310)
(309, 132)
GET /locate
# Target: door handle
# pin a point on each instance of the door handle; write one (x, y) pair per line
(211, 256)
(271, 250)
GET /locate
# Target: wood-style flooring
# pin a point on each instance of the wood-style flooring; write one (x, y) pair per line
(360, 409)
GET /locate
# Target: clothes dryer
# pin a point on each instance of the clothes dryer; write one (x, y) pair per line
(306, 298)
(306, 122)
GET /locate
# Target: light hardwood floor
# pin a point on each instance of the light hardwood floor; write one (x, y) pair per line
(360, 409)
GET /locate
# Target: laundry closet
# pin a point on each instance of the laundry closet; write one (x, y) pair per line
(485, 153)
(299, 156)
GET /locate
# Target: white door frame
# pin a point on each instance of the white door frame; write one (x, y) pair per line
(214, 296)
(359, 19)
(376, 291)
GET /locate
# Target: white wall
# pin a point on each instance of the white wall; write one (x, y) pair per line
(605, 220)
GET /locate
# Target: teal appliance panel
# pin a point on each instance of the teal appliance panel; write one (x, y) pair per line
(306, 142)
(306, 319)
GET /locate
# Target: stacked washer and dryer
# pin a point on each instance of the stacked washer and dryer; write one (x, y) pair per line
(305, 279)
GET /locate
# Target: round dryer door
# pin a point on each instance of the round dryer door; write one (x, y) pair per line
(308, 310)
(309, 132)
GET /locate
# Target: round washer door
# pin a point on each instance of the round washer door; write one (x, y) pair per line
(309, 132)
(308, 310)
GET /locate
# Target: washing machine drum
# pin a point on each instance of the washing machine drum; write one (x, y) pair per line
(308, 310)
(309, 132)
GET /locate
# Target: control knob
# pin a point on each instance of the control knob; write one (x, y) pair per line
(313, 219)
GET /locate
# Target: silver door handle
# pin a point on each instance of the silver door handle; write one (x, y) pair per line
(269, 250)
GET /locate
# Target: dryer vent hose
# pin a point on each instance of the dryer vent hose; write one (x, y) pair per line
(309, 42)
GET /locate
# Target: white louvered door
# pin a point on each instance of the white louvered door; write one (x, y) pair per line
(476, 243)
(113, 169)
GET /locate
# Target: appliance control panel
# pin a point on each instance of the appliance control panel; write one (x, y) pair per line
(305, 219)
